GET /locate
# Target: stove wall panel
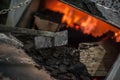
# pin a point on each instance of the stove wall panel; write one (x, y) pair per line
(107, 10)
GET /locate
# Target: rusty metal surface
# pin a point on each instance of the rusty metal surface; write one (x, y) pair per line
(106, 10)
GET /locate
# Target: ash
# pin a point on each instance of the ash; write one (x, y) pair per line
(62, 63)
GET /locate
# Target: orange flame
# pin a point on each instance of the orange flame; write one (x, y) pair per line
(87, 23)
(117, 36)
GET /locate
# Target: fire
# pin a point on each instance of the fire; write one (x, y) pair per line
(86, 23)
(117, 36)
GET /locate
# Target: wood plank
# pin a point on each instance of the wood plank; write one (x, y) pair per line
(45, 25)
(6, 29)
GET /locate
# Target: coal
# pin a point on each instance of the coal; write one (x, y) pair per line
(56, 60)
(60, 62)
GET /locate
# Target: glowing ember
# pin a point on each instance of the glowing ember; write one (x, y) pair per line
(77, 27)
(85, 22)
(117, 36)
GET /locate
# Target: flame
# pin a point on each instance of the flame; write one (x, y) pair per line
(117, 36)
(86, 23)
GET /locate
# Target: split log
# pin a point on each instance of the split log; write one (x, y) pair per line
(45, 25)
(6, 29)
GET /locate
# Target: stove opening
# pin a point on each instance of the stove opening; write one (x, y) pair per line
(83, 28)
(71, 18)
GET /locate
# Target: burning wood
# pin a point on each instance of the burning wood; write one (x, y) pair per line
(86, 23)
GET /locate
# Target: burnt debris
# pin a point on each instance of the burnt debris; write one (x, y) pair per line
(62, 63)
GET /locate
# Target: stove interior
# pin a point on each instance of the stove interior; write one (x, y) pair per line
(82, 28)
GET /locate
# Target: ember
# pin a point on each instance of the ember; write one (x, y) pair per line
(88, 24)
(117, 36)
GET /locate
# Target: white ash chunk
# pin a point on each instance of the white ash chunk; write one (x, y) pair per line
(60, 39)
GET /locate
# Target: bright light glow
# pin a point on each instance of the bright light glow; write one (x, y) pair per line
(88, 24)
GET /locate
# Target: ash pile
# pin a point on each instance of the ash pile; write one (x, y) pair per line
(55, 63)
(62, 63)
